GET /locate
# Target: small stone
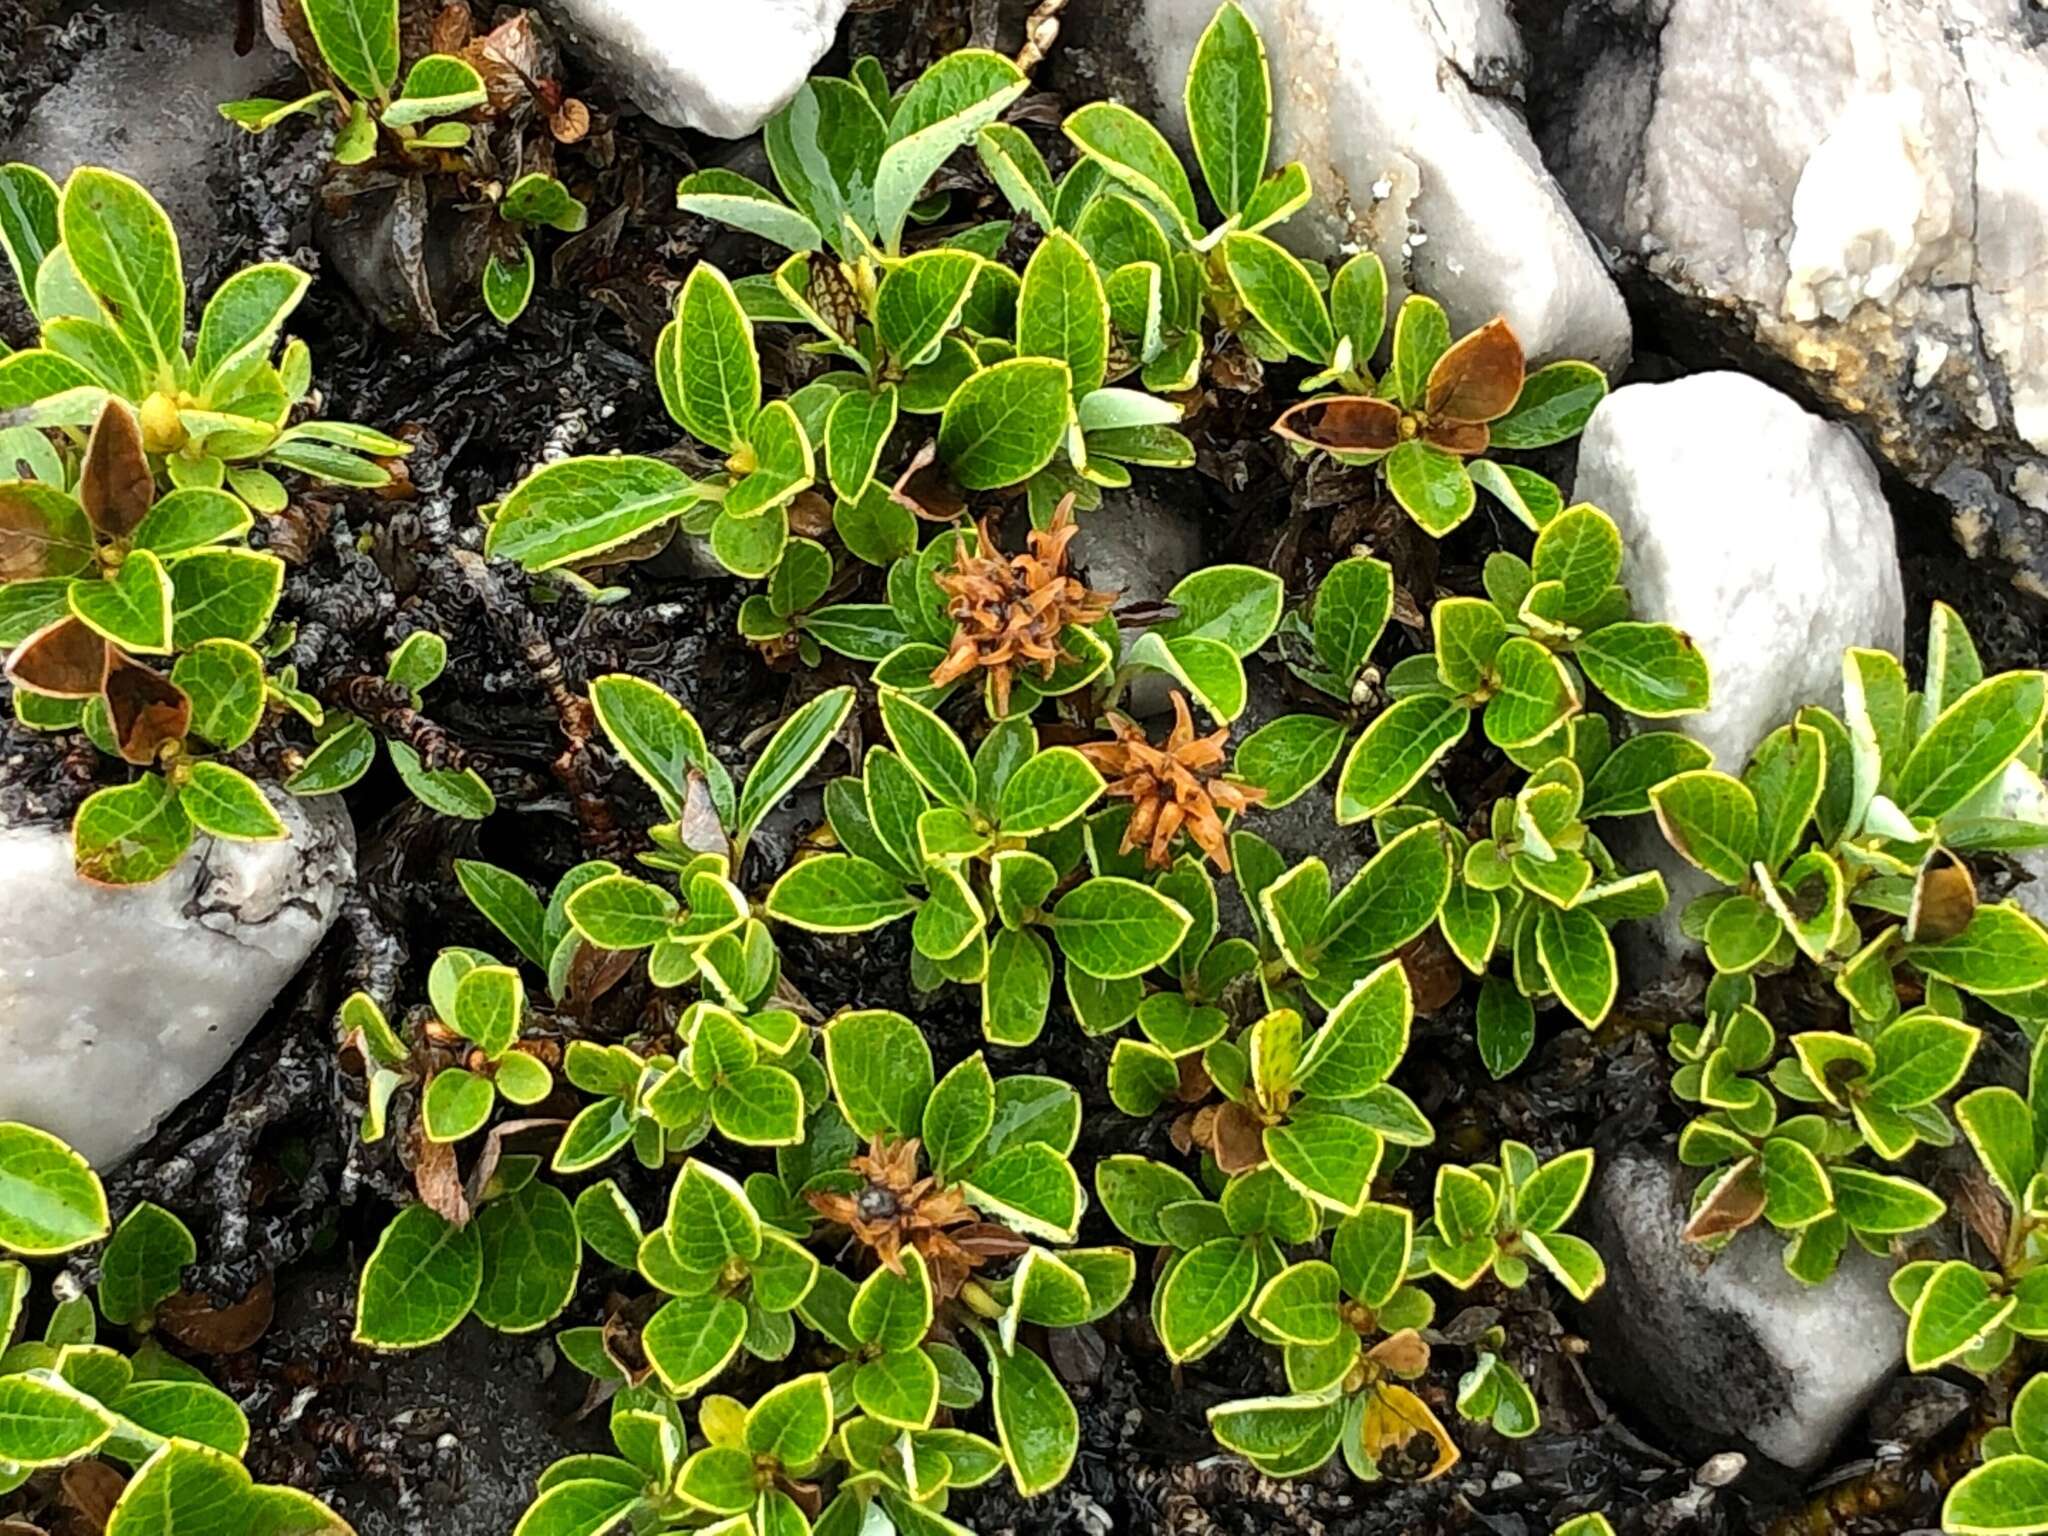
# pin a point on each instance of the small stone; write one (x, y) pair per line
(722, 66)
(1395, 110)
(1758, 529)
(1730, 1351)
(116, 1005)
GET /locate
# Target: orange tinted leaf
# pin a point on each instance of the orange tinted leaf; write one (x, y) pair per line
(1346, 422)
(115, 484)
(1479, 378)
(42, 533)
(146, 708)
(1403, 1438)
(65, 660)
(1464, 438)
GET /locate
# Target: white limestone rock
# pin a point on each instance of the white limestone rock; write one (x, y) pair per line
(117, 1004)
(1393, 108)
(722, 66)
(1730, 1352)
(1758, 529)
(2027, 800)
(1859, 186)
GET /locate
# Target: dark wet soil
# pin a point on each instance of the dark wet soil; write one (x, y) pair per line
(264, 1162)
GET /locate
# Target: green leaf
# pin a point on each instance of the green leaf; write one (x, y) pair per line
(132, 607)
(1006, 422)
(1288, 756)
(2002, 952)
(1278, 291)
(919, 301)
(838, 893)
(439, 85)
(1534, 694)
(122, 245)
(1063, 313)
(226, 802)
(28, 223)
(790, 754)
(1577, 956)
(1362, 1040)
(221, 594)
(130, 834)
(1431, 485)
(881, 1071)
(50, 1200)
(710, 1222)
(419, 1283)
(932, 752)
(1351, 610)
(1019, 170)
(579, 1507)
(1971, 743)
(1580, 550)
(1289, 1435)
(1796, 1188)
(1237, 606)
(144, 1264)
(1621, 785)
(1036, 1422)
(1919, 1059)
(1230, 108)
(1711, 821)
(531, 1250)
(893, 1310)
(855, 432)
(1651, 670)
(1300, 1304)
(460, 793)
(1954, 1311)
(946, 107)
(1112, 927)
(1469, 633)
(1203, 1294)
(1422, 334)
(759, 1106)
(733, 199)
(692, 1338)
(826, 146)
(1133, 1190)
(47, 1422)
(576, 509)
(660, 739)
(1029, 1187)
(2007, 1496)
(1136, 154)
(508, 283)
(243, 318)
(509, 904)
(790, 1423)
(358, 39)
(1047, 792)
(224, 681)
(1331, 1158)
(958, 1117)
(2000, 1129)
(1401, 744)
(710, 376)
(1883, 1204)
(1555, 403)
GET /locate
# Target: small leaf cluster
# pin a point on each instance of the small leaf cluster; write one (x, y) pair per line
(1800, 1172)
(1499, 1218)
(2007, 1493)
(1961, 1313)
(1876, 812)
(985, 854)
(72, 1394)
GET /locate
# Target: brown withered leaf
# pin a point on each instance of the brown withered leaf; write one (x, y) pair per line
(1177, 786)
(1464, 438)
(90, 1490)
(570, 122)
(65, 660)
(1348, 423)
(810, 515)
(1478, 378)
(1403, 1438)
(196, 1323)
(1406, 1354)
(30, 548)
(1434, 973)
(701, 828)
(1736, 1201)
(147, 710)
(437, 1177)
(1232, 1135)
(493, 1153)
(1944, 900)
(594, 972)
(115, 485)
(926, 490)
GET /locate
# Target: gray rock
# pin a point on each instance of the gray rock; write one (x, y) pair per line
(1759, 530)
(1139, 544)
(2027, 799)
(1730, 1352)
(117, 1004)
(144, 104)
(1856, 188)
(1398, 111)
(723, 66)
